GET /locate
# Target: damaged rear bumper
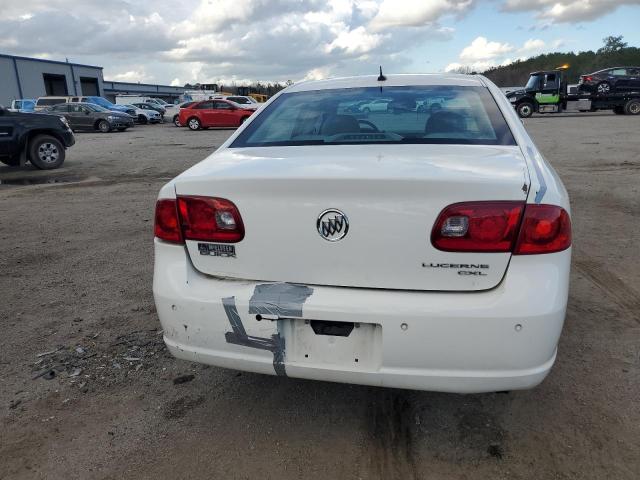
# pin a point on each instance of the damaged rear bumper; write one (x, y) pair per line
(502, 339)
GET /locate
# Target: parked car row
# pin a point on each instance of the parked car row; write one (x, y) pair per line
(98, 113)
(40, 130)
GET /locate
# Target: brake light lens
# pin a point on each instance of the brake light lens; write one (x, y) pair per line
(477, 227)
(545, 229)
(167, 224)
(502, 227)
(210, 219)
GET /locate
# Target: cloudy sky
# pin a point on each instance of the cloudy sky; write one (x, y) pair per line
(179, 41)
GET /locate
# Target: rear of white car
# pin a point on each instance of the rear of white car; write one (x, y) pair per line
(425, 250)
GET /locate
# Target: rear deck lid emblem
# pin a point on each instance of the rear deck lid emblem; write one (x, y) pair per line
(332, 225)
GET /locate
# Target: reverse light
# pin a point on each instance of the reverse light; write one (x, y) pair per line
(455, 227)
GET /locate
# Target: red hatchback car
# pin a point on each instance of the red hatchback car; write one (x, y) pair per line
(213, 113)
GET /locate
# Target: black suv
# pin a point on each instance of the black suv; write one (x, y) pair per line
(39, 138)
(611, 80)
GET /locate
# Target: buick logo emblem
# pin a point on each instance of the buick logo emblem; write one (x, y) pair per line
(332, 225)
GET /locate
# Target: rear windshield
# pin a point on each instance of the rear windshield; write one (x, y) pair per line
(411, 114)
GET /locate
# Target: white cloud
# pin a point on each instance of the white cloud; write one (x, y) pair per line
(567, 11)
(533, 45)
(355, 41)
(269, 40)
(136, 75)
(482, 54)
(482, 49)
(415, 13)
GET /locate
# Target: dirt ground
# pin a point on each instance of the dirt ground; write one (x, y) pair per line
(75, 275)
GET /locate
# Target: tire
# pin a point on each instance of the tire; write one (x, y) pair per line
(632, 107)
(618, 110)
(525, 109)
(603, 88)
(176, 121)
(104, 126)
(46, 152)
(194, 124)
(142, 120)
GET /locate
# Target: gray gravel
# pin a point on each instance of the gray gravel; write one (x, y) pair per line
(76, 267)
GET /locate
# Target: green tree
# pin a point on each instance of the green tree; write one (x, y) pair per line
(612, 44)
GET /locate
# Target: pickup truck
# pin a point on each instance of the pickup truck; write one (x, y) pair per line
(38, 138)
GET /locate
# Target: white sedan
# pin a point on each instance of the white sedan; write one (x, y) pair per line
(146, 116)
(424, 250)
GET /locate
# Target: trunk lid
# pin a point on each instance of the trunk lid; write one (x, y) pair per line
(390, 194)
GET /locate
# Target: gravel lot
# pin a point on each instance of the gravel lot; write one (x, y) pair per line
(75, 275)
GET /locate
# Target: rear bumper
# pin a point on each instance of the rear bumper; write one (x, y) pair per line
(502, 339)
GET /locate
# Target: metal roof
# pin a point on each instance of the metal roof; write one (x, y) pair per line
(44, 60)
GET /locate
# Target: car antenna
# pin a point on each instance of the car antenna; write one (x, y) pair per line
(381, 78)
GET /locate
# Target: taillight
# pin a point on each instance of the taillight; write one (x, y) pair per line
(210, 219)
(502, 227)
(167, 225)
(477, 227)
(545, 229)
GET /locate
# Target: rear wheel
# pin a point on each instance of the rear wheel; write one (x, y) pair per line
(604, 88)
(104, 126)
(525, 109)
(632, 107)
(194, 124)
(46, 152)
